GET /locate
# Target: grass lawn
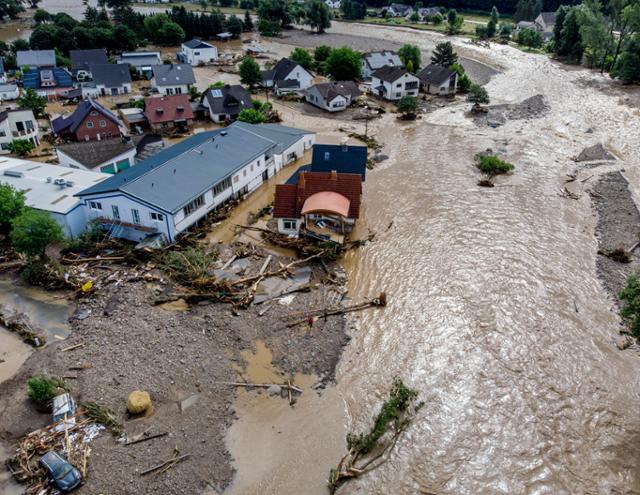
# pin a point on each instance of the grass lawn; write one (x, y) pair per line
(467, 28)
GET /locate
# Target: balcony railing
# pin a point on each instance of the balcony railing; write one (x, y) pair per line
(27, 132)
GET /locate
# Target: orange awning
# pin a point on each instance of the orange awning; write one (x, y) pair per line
(326, 202)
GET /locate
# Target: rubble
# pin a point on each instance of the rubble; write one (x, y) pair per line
(597, 152)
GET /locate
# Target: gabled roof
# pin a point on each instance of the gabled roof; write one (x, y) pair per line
(377, 60)
(36, 58)
(172, 74)
(160, 109)
(32, 78)
(111, 75)
(428, 11)
(70, 123)
(341, 158)
(282, 135)
(281, 70)
(390, 74)
(195, 164)
(94, 153)
(196, 43)
(330, 90)
(290, 198)
(287, 83)
(82, 59)
(548, 17)
(8, 87)
(228, 99)
(435, 74)
(400, 7)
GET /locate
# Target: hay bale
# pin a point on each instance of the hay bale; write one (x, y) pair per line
(138, 402)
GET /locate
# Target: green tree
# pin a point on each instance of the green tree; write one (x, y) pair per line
(407, 106)
(171, 34)
(491, 165)
(505, 32)
(464, 82)
(269, 28)
(492, 25)
(321, 53)
(41, 16)
(250, 73)
(595, 33)
(530, 37)
(627, 66)
(217, 85)
(414, 17)
(477, 95)
(454, 22)
(21, 147)
(302, 57)
(444, 55)
(251, 116)
(234, 25)
(353, 9)
(32, 231)
(410, 56)
(275, 11)
(570, 43)
(247, 23)
(11, 8)
(625, 22)
(11, 206)
(317, 15)
(344, 64)
(31, 100)
(630, 297)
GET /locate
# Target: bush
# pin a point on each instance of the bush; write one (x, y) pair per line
(251, 116)
(492, 165)
(477, 95)
(189, 265)
(33, 230)
(42, 389)
(407, 106)
(530, 37)
(11, 206)
(630, 296)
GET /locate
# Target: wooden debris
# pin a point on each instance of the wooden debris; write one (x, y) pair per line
(565, 193)
(166, 465)
(262, 385)
(72, 347)
(380, 301)
(146, 438)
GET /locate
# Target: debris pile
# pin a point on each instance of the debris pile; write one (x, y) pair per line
(597, 152)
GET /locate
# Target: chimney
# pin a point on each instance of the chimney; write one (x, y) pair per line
(301, 189)
(334, 175)
(344, 144)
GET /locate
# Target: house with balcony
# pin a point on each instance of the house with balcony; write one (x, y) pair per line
(372, 61)
(18, 124)
(176, 188)
(82, 60)
(172, 79)
(89, 121)
(392, 83)
(320, 205)
(197, 52)
(51, 189)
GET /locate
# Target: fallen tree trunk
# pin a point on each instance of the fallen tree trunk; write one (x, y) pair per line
(380, 301)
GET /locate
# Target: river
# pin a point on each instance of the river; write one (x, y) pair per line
(495, 314)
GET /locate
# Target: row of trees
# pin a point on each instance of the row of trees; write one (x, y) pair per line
(275, 15)
(606, 37)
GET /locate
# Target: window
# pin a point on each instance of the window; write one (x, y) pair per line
(178, 91)
(115, 212)
(29, 124)
(3, 133)
(108, 169)
(221, 186)
(398, 95)
(289, 224)
(94, 113)
(193, 206)
(252, 167)
(4, 146)
(236, 179)
(159, 217)
(89, 125)
(95, 205)
(196, 53)
(399, 85)
(135, 214)
(103, 123)
(244, 173)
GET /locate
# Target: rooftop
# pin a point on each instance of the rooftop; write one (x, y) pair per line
(172, 108)
(376, 60)
(140, 59)
(82, 59)
(341, 158)
(94, 153)
(38, 181)
(435, 74)
(71, 122)
(230, 99)
(195, 165)
(280, 71)
(330, 90)
(390, 74)
(172, 74)
(196, 43)
(110, 75)
(36, 58)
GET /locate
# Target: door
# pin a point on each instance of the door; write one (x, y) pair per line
(114, 91)
(265, 175)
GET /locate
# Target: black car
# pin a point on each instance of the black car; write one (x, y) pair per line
(63, 475)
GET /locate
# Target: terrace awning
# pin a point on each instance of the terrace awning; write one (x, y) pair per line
(327, 202)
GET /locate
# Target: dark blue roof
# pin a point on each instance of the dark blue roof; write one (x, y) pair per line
(31, 78)
(294, 178)
(115, 182)
(342, 159)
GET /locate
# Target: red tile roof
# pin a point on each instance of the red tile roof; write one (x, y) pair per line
(290, 197)
(167, 109)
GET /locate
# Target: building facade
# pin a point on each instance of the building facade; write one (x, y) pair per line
(18, 124)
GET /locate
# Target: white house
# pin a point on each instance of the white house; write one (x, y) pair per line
(173, 190)
(287, 70)
(9, 92)
(196, 51)
(18, 124)
(372, 61)
(333, 96)
(109, 156)
(142, 61)
(52, 189)
(392, 83)
(172, 79)
(399, 10)
(111, 79)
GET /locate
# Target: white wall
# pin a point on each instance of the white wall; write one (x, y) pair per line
(195, 56)
(10, 126)
(106, 91)
(171, 90)
(10, 95)
(396, 89)
(285, 231)
(67, 161)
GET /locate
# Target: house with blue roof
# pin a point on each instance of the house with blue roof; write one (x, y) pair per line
(50, 82)
(340, 158)
(173, 190)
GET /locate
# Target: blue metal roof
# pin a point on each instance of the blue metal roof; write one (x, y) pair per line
(31, 78)
(342, 159)
(294, 178)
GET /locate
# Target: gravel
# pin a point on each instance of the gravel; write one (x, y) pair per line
(133, 345)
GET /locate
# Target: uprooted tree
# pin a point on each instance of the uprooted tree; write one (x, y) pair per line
(369, 451)
(490, 165)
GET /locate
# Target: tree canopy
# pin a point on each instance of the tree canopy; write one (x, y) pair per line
(32, 101)
(33, 230)
(11, 205)
(302, 57)
(344, 64)
(444, 55)
(317, 15)
(250, 73)
(411, 57)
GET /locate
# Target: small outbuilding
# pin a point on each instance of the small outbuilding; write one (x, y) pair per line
(438, 80)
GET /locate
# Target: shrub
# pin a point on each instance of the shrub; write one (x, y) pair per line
(33, 230)
(11, 206)
(42, 389)
(530, 37)
(251, 116)
(492, 165)
(630, 297)
(189, 265)
(477, 95)
(407, 106)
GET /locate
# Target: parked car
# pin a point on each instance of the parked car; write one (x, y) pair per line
(62, 475)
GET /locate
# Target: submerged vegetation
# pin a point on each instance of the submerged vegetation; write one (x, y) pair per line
(491, 165)
(369, 451)
(630, 297)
